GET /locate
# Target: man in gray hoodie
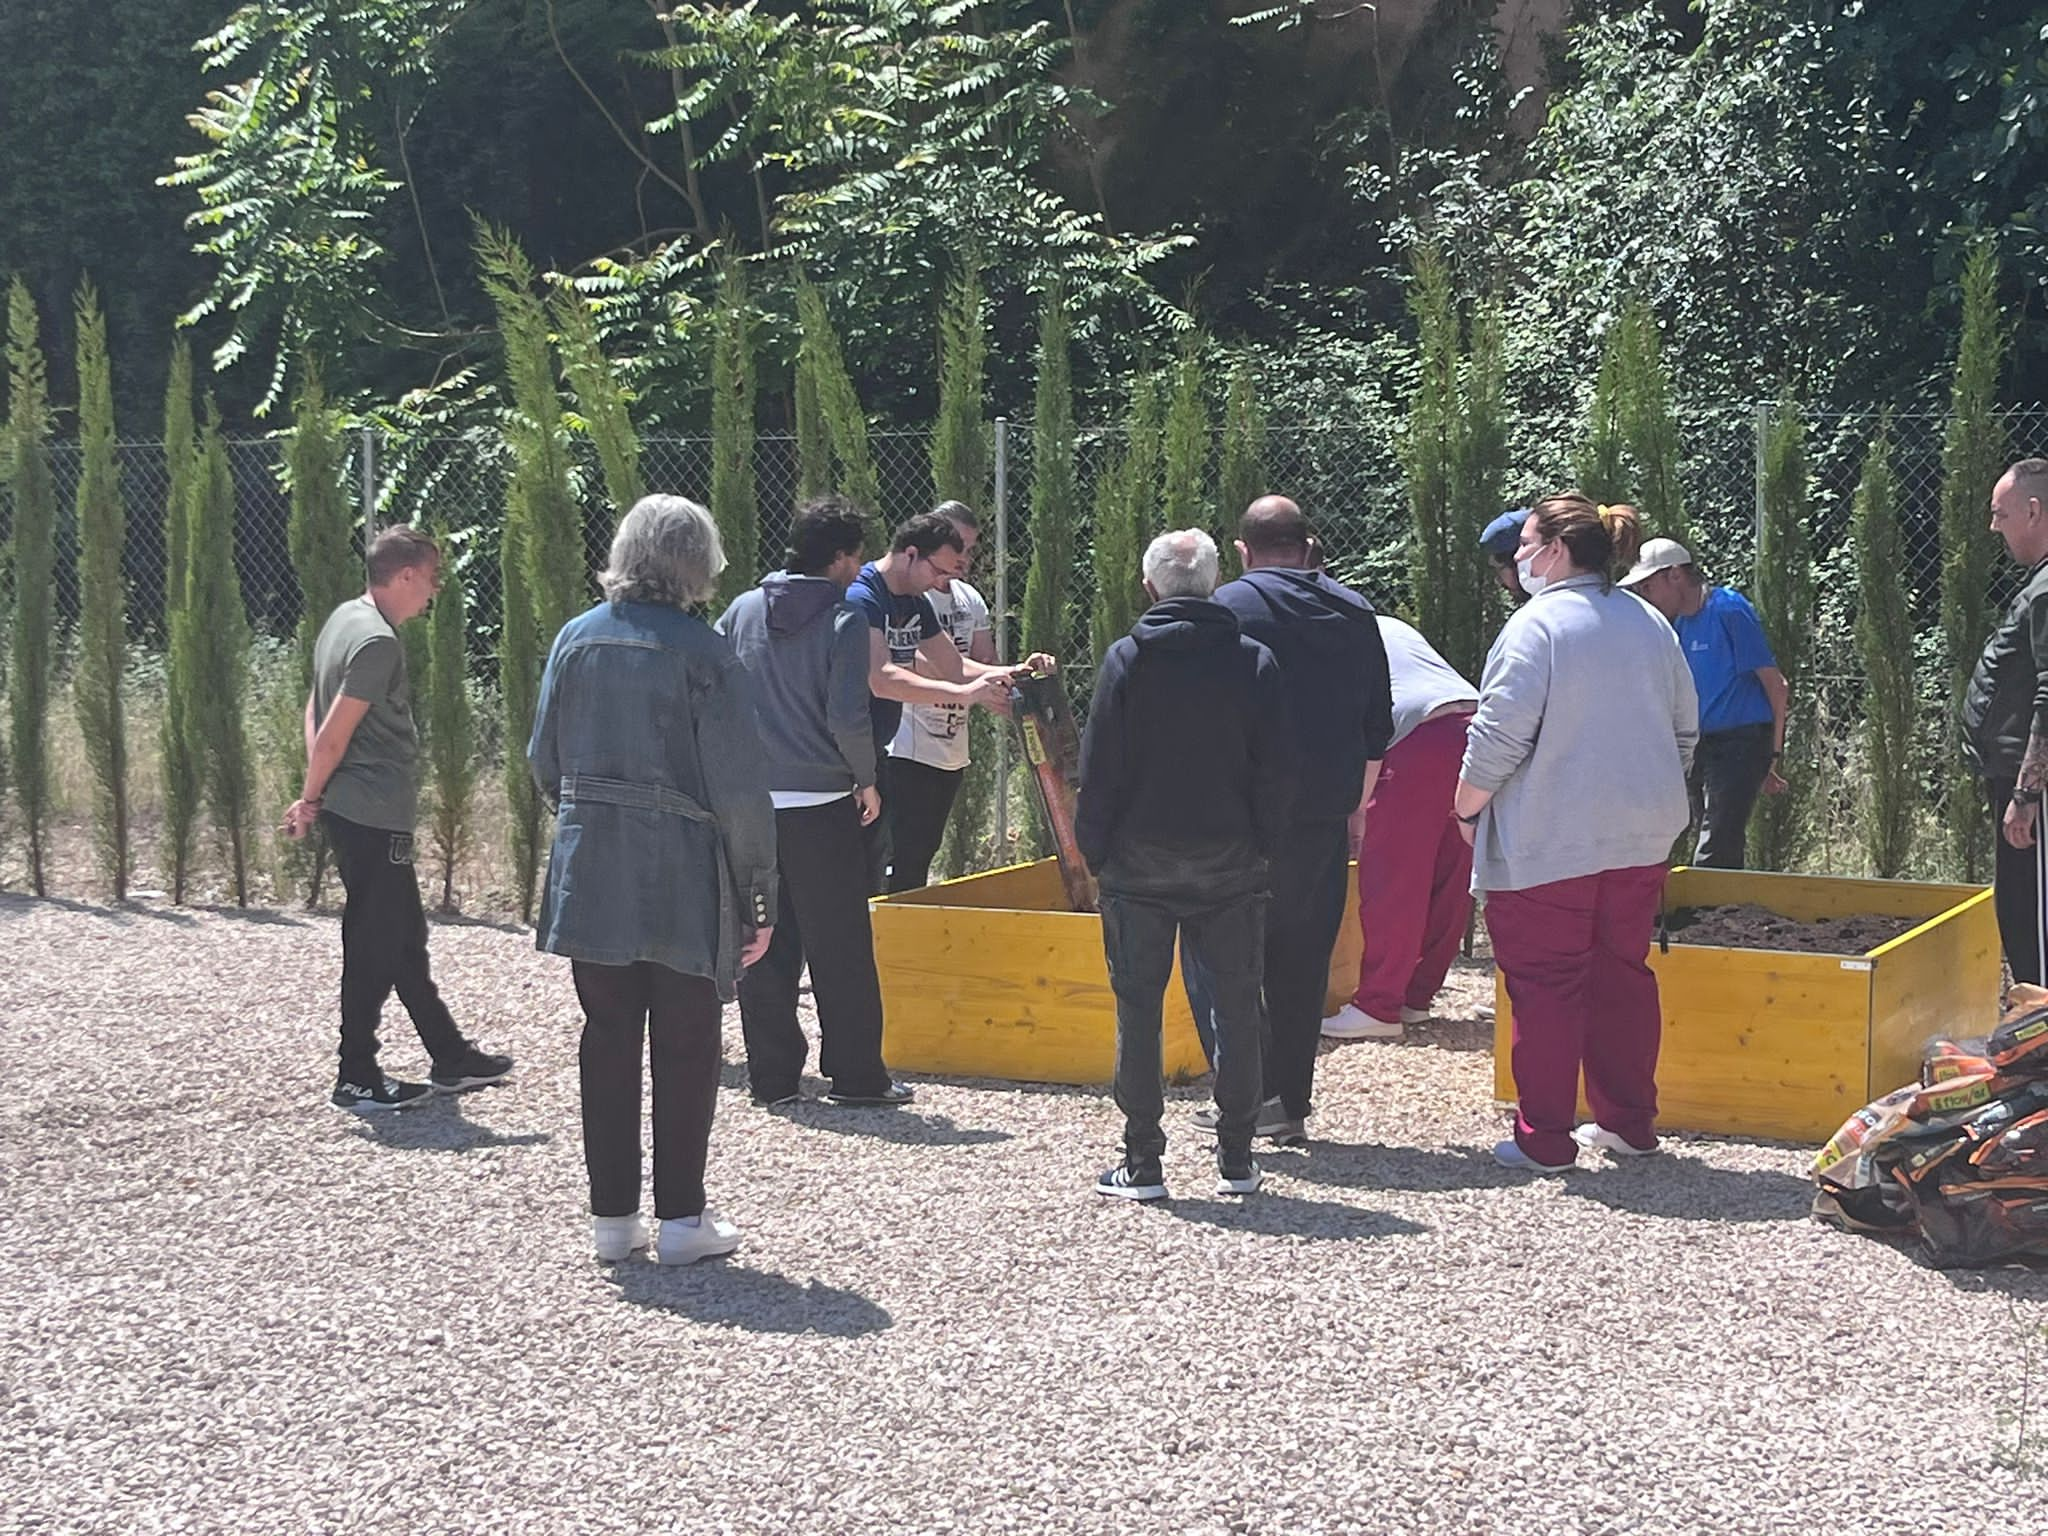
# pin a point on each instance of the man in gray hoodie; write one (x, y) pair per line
(806, 649)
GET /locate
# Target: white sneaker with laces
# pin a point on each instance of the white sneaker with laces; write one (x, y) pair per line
(615, 1237)
(1596, 1137)
(1352, 1022)
(1509, 1154)
(686, 1239)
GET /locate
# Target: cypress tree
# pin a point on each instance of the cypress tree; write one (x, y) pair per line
(178, 733)
(1884, 640)
(219, 641)
(1602, 473)
(1187, 446)
(451, 720)
(601, 401)
(1479, 468)
(846, 425)
(1784, 593)
(960, 446)
(1649, 430)
(1048, 585)
(543, 532)
(1429, 449)
(1972, 457)
(34, 497)
(1127, 516)
(103, 595)
(813, 445)
(1241, 467)
(734, 505)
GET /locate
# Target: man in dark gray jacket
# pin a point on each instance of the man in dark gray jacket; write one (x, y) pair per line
(806, 649)
(2005, 720)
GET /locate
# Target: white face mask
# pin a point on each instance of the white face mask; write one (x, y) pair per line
(1531, 582)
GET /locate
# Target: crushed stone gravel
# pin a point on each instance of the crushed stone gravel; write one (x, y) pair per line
(230, 1307)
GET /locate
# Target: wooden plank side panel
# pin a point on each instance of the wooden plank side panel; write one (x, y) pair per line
(1019, 996)
(1015, 887)
(1808, 898)
(1940, 980)
(1755, 1043)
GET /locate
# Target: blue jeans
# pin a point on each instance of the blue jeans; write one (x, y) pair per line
(1226, 943)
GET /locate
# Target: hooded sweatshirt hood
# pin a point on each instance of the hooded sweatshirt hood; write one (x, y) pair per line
(795, 602)
(1185, 624)
(1319, 610)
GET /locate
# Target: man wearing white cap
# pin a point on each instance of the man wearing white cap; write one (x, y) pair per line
(1743, 696)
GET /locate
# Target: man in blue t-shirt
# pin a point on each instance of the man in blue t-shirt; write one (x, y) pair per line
(1743, 696)
(903, 630)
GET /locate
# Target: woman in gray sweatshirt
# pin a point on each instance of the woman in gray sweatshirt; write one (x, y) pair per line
(1573, 792)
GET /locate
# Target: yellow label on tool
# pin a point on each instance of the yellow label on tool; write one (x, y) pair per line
(1033, 747)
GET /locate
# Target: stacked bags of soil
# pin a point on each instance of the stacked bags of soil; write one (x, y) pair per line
(1958, 1160)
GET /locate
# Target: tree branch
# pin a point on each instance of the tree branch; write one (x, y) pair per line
(675, 86)
(401, 126)
(555, 36)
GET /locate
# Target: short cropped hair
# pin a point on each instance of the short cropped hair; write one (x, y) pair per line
(667, 551)
(2030, 478)
(960, 513)
(399, 548)
(1182, 564)
(826, 527)
(926, 534)
(1275, 528)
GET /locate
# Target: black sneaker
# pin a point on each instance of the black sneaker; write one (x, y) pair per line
(472, 1069)
(375, 1098)
(773, 1099)
(1133, 1179)
(891, 1096)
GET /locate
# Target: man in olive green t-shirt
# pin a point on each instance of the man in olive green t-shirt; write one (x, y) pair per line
(362, 786)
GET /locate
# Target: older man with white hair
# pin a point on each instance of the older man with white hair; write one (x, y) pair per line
(1185, 795)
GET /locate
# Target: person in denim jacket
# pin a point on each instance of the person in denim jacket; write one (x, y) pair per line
(661, 885)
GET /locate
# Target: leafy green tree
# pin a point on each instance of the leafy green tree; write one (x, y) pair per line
(1884, 640)
(219, 645)
(34, 499)
(846, 425)
(1601, 467)
(1429, 447)
(545, 577)
(1241, 460)
(1187, 446)
(179, 735)
(1972, 457)
(103, 595)
(1479, 463)
(1048, 585)
(960, 446)
(601, 401)
(451, 719)
(1650, 430)
(1784, 591)
(734, 505)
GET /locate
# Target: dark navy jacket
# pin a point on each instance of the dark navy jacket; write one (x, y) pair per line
(1185, 785)
(1334, 666)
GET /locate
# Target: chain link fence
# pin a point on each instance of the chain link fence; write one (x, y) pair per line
(1348, 477)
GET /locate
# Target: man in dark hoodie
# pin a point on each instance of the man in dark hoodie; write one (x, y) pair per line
(806, 649)
(1184, 796)
(1334, 667)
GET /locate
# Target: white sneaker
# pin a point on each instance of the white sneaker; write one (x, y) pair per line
(1416, 1015)
(1246, 1183)
(1596, 1137)
(616, 1236)
(1509, 1154)
(686, 1239)
(1352, 1022)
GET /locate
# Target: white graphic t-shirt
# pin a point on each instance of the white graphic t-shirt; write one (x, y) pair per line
(936, 734)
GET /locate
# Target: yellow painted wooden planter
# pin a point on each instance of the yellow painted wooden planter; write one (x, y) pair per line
(1772, 1043)
(991, 976)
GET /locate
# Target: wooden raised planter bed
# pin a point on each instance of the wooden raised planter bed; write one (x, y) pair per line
(1761, 1042)
(991, 976)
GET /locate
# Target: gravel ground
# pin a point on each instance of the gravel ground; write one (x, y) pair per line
(230, 1307)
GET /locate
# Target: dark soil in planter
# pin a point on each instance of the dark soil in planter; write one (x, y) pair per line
(1753, 927)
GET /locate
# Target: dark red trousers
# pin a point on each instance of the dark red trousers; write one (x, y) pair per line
(1414, 872)
(1575, 955)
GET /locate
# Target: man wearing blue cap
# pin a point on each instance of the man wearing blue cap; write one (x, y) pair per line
(1500, 540)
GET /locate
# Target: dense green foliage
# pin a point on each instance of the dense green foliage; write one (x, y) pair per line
(103, 596)
(735, 506)
(1049, 584)
(218, 641)
(1972, 457)
(1127, 517)
(839, 407)
(32, 499)
(1186, 452)
(1884, 641)
(601, 403)
(450, 720)
(322, 528)
(960, 445)
(1783, 591)
(1241, 454)
(178, 743)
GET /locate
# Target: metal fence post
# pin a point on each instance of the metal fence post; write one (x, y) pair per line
(369, 488)
(1763, 432)
(1002, 511)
